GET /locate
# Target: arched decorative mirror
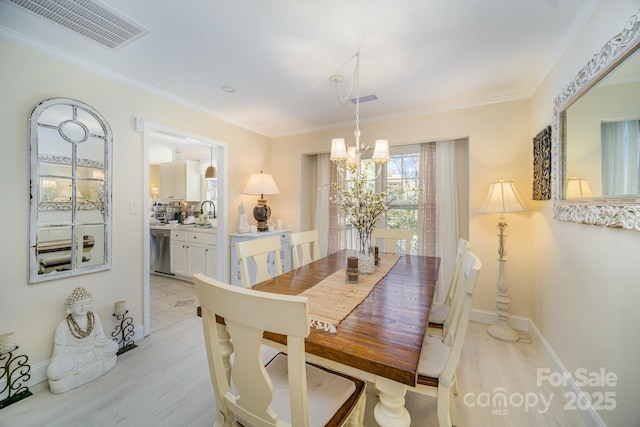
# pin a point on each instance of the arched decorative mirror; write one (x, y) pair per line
(596, 138)
(70, 228)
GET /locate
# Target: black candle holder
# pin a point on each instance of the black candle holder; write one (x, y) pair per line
(124, 332)
(351, 272)
(14, 366)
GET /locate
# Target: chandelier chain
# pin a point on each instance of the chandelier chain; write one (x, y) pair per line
(344, 99)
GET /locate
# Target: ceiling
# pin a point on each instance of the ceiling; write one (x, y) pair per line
(416, 56)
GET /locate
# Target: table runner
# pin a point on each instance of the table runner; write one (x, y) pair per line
(333, 299)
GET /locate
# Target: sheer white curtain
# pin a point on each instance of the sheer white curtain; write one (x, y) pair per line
(427, 200)
(620, 157)
(446, 214)
(323, 166)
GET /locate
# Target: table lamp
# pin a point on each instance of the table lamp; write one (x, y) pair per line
(261, 183)
(502, 198)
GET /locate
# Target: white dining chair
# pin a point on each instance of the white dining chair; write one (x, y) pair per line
(258, 250)
(304, 247)
(438, 315)
(285, 392)
(390, 239)
(439, 356)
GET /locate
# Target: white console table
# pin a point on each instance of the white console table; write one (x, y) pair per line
(285, 253)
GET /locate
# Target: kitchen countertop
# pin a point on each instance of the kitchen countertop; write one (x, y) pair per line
(183, 227)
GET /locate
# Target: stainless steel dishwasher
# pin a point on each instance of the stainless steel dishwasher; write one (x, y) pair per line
(160, 251)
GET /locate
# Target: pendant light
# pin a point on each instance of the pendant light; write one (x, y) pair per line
(211, 171)
(351, 156)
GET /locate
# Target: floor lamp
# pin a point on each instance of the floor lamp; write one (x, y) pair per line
(502, 198)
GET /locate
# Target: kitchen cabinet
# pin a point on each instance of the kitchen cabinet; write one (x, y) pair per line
(179, 180)
(178, 255)
(285, 253)
(193, 252)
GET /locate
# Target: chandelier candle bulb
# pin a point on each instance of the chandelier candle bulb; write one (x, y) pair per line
(7, 342)
(120, 308)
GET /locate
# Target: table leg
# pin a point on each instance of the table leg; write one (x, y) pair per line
(390, 411)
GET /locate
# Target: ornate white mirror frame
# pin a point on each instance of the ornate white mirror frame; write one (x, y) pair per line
(617, 212)
(70, 207)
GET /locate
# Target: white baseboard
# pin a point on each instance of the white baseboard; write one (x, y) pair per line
(38, 373)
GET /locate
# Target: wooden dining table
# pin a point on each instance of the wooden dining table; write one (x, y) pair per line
(381, 339)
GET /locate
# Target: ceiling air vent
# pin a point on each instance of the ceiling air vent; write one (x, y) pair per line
(367, 98)
(92, 19)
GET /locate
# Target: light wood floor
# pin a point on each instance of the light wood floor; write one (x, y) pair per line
(165, 382)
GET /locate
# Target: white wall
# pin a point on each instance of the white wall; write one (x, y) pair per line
(587, 284)
(26, 78)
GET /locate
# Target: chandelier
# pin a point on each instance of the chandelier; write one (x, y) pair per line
(351, 156)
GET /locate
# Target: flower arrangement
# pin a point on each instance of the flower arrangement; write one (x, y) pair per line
(363, 207)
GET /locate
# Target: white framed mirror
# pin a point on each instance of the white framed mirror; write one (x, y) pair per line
(70, 201)
(596, 138)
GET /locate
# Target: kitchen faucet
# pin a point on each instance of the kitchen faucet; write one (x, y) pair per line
(213, 207)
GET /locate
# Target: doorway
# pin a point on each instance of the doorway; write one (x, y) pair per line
(175, 297)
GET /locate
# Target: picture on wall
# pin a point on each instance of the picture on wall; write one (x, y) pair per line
(542, 165)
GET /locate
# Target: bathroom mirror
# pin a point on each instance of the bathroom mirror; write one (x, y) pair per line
(596, 138)
(70, 201)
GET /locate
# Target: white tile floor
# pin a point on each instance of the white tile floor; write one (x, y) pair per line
(171, 300)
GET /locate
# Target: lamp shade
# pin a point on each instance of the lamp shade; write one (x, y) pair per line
(261, 183)
(338, 150)
(381, 151)
(502, 198)
(577, 187)
(210, 173)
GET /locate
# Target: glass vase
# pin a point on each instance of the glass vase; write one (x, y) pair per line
(366, 257)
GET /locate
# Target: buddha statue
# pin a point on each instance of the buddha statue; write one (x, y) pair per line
(243, 222)
(81, 352)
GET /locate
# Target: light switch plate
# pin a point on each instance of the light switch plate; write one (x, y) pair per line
(134, 206)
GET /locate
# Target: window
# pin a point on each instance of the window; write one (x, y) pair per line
(211, 189)
(402, 171)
